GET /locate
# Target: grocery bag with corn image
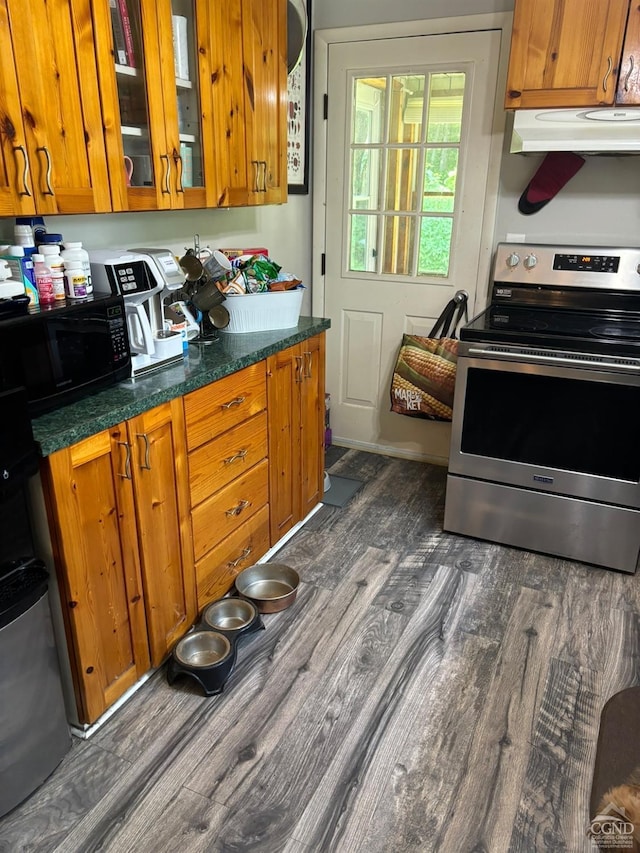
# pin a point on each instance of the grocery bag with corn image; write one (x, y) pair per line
(424, 375)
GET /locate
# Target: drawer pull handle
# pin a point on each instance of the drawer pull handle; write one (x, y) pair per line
(299, 369)
(239, 455)
(127, 461)
(608, 73)
(236, 510)
(233, 563)
(146, 465)
(629, 73)
(235, 402)
(47, 155)
(25, 170)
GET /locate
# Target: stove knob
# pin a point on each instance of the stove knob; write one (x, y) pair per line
(513, 260)
(530, 261)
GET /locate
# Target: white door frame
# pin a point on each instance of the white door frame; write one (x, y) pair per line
(322, 40)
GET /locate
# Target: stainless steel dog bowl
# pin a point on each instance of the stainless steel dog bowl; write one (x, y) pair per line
(230, 614)
(202, 648)
(207, 657)
(271, 586)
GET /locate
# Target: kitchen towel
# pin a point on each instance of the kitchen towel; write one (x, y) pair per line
(556, 169)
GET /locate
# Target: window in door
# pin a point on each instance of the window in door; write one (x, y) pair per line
(406, 132)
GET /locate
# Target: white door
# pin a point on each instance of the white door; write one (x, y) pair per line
(408, 144)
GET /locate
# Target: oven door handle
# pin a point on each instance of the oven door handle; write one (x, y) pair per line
(590, 361)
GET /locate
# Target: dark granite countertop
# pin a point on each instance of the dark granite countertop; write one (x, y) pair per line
(204, 364)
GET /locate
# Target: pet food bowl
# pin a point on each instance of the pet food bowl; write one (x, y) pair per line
(271, 586)
(234, 617)
(206, 656)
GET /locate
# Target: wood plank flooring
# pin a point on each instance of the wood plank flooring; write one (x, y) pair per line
(426, 692)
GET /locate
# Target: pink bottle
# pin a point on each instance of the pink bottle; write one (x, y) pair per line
(44, 280)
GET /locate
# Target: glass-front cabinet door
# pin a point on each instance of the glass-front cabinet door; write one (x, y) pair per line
(151, 65)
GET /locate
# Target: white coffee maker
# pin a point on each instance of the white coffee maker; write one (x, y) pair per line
(141, 276)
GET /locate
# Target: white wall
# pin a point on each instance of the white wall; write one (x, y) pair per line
(349, 13)
(284, 229)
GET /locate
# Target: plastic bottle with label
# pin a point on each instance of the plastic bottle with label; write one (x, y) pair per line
(20, 260)
(52, 259)
(44, 280)
(74, 251)
(75, 279)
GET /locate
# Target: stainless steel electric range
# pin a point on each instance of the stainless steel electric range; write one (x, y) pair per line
(545, 445)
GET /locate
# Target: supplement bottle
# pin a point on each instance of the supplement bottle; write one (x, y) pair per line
(44, 280)
(55, 263)
(76, 252)
(75, 279)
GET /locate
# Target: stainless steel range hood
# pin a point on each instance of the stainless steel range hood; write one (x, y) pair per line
(604, 130)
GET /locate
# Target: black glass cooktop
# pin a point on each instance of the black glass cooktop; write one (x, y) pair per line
(602, 332)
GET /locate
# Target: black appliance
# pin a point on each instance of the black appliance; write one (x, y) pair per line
(60, 353)
(34, 735)
(545, 452)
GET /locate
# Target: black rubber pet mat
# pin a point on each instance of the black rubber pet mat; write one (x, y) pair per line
(341, 490)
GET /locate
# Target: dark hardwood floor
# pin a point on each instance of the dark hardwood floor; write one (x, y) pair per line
(425, 692)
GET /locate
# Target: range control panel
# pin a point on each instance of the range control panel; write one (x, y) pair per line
(567, 266)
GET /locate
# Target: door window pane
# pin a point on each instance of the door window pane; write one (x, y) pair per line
(368, 113)
(446, 96)
(365, 180)
(402, 177)
(435, 246)
(399, 240)
(441, 167)
(363, 242)
(406, 108)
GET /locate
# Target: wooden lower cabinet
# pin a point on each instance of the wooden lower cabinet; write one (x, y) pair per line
(118, 507)
(226, 424)
(295, 403)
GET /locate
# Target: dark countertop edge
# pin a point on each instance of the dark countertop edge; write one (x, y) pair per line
(93, 414)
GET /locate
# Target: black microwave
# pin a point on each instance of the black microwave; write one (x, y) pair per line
(64, 352)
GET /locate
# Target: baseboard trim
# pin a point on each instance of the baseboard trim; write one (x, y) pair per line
(385, 450)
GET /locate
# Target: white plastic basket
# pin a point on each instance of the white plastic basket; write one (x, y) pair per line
(261, 312)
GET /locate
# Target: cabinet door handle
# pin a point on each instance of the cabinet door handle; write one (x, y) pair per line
(127, 461)
(167, 185)
(47, 155)
(256, 172)
(233, 563)
(235, 402)
(264, 176)
(25, 170)
(239, 455)
(177, 158)
(236, 510)
(307, 356)
(147, 464)
(629, 73)
(299, 371)
(608, 73)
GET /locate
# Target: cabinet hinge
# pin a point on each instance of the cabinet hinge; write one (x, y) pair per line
(326, 107)
(323, 263)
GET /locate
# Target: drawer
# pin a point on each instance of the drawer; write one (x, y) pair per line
(217, 407)
(227, 509)
(216, 571)
(232, 454)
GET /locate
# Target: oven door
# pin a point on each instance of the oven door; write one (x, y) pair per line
(567, 423)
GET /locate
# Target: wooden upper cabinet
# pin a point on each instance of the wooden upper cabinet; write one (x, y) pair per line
(51, 127)
(264, 36)
(249, 89)
(565, 53)
(628, 91)
(157, 102)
